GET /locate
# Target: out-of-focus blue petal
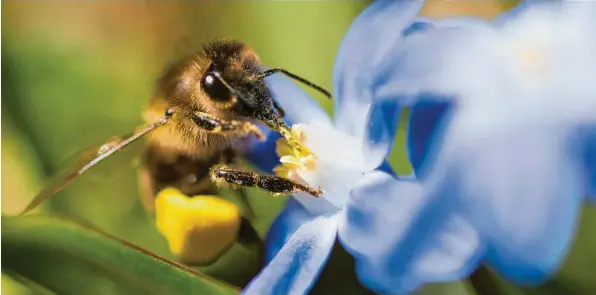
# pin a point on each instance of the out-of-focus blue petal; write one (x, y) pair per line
(589, 161)
(425, 121)
(590, 167)
(299, 107)
(380, 132)
(523, 190)
(423, 23)
(386, 167)
(286, 223)
(367, 41)
(297, 265)
(584, 143)
(419, 24)
(404, 237)
(383, 116)
(412, 68)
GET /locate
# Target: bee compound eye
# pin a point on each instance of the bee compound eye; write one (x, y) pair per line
(215, 88)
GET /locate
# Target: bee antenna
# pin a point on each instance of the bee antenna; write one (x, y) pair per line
(270, 72)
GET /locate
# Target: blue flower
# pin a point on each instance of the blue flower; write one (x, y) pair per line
(338, 153)
(503, 140)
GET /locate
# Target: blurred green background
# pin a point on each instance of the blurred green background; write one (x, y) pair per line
(77, 73)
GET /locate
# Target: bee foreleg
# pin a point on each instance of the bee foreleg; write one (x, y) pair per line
(211, 124)
(276, 185)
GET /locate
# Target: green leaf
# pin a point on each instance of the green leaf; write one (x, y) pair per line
(17, 285)
(67, 258)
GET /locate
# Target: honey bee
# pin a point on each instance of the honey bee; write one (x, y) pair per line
(206, 108)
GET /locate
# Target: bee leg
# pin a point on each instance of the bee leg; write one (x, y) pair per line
(231, 157)
(276, 185)
(214, 125)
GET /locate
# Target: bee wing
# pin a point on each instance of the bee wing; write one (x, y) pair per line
(169, 32)
(82, 162)
(87, 160)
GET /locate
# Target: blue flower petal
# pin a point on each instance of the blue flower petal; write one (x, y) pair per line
(383, 120)
(286, 223)
(423, 23)
(383, 116)
(532, 256)
(426, 118)
(588, 154)
(590, 166)
(298, 106)
(412, 68)
(386, 167)
(402, 238)
(521, 212)
(419, 24)
(299, 262)
(367, 41)
(523, 190)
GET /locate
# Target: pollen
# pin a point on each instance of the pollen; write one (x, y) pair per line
(198, 229)
(292, 159)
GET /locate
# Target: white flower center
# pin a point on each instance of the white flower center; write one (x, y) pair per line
(532, 60)
(331, 161)
(532, 65)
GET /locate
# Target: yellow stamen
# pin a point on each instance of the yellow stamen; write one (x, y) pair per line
(291, 158)
(282, 171)
(283, 148)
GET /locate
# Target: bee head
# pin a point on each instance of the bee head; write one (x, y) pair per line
(234, 83)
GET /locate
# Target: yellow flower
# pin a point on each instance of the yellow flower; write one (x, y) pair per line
(198, 229)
